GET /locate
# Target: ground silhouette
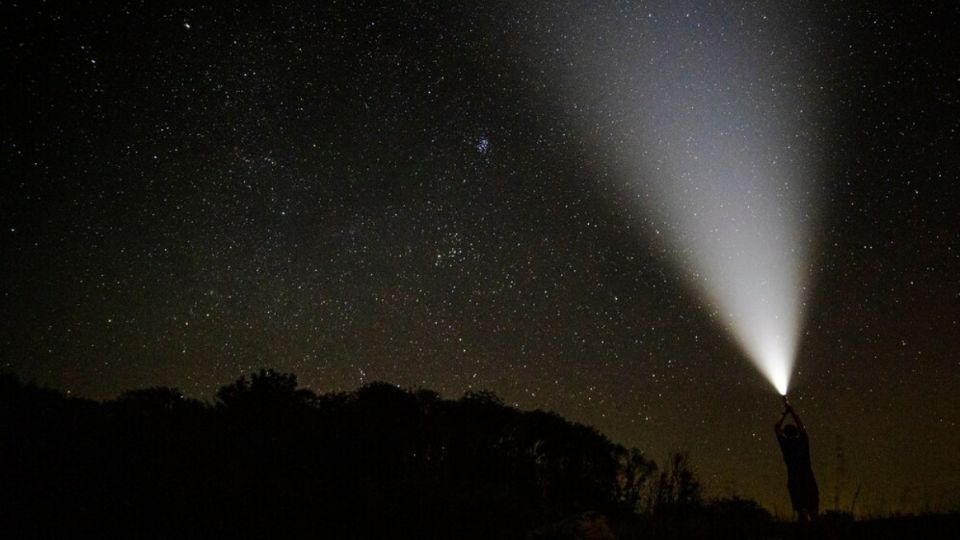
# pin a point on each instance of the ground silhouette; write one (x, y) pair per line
(267, 459)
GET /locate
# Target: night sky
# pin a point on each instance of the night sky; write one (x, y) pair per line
(403, 192)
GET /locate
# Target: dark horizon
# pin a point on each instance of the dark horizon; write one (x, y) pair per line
(832, 506)
(269, 459)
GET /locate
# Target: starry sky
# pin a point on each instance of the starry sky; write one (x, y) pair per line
(433, 196)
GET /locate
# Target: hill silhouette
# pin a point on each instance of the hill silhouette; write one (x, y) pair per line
(267, 459)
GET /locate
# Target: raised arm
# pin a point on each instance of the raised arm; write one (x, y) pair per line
(796, 419)
(779, 425)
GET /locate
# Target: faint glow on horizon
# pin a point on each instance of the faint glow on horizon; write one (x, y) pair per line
(710, 115)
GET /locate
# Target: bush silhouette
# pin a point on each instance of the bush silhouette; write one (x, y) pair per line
(270, 460)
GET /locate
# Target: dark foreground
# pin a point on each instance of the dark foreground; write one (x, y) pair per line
(269, 460)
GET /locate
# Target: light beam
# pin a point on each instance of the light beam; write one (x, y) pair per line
(711, 115)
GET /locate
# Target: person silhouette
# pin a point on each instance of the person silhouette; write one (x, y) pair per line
(795, 446)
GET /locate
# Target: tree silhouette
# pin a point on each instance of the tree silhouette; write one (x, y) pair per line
(266, 389)
(677, 486)
(634, 472)
(269, 459)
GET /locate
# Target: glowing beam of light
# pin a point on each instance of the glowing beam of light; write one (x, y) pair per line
(710, 112)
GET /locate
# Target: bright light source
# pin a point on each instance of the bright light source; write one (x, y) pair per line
(712, 118)
(752, 273)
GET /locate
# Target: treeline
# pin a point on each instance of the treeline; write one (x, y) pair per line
(267, 459)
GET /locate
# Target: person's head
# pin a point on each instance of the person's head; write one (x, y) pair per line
(791, 431)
